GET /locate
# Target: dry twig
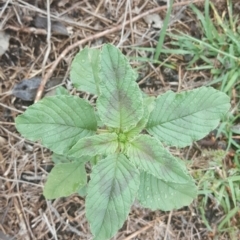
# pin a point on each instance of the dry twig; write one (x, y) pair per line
(48, 38)
(140, 231)
(168, 225)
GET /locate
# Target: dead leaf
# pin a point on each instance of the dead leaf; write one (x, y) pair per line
(2, 142)
(27, 88)
(56, 26)
(4, 42)
(62, 3)
(59, 28)
(5, 237)
(154, 20)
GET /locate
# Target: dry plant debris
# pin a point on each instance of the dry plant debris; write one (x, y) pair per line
(24, 213)
(4, 42)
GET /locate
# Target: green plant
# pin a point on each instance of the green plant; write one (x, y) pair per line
(126, 163)
(156, 51)
(219, 184)
(217, 52)
(163, 32)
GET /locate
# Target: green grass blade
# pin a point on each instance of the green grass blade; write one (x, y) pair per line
(228, 217)
(163, 31)
(204, 219)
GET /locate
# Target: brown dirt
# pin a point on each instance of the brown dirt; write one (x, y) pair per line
(24, 165)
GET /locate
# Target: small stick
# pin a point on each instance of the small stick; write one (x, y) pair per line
(48, 38)
(96, 36)
(140, 231)
(168, 225)
(7, 123)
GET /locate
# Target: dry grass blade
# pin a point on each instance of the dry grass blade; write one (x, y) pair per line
(135, 234)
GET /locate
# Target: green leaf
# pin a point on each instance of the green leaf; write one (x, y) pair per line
(111, 192)
(105, 143)
(57, 158)
(158, 194)
(120, 102)
(84, 72)
(82, 191)
(65, 179)
(149, 155)
(58, 121)
(61, 91)
(99, 121)
(148, 105)
(179, 119)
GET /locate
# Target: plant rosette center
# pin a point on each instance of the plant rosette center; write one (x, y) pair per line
(122, 138)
